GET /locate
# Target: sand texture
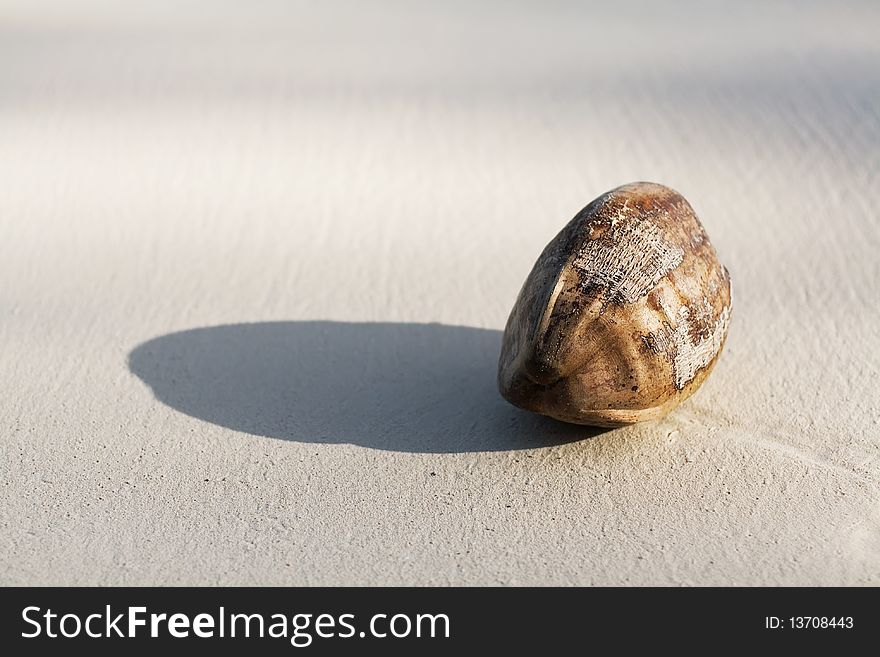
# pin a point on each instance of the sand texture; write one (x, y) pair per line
(256, 259)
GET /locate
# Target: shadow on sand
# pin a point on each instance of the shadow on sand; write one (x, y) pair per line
(403, 387)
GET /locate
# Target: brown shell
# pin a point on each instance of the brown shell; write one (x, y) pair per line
(623, 315)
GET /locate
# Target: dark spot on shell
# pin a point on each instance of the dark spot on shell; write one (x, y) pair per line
(635, 388)
(598, 230)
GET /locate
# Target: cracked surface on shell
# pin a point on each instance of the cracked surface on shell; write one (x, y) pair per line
(626, 259)
(687, 355)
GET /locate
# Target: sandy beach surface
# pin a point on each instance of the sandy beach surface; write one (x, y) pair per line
(256, 259)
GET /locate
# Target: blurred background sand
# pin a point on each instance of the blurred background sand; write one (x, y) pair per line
(227, 229)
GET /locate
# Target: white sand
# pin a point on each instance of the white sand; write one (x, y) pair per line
(328, 180)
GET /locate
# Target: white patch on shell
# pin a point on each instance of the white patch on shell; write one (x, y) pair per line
(688, 357)
(628, 260)
(666, 307)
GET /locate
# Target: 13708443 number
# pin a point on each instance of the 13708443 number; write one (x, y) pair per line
(820, 622)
